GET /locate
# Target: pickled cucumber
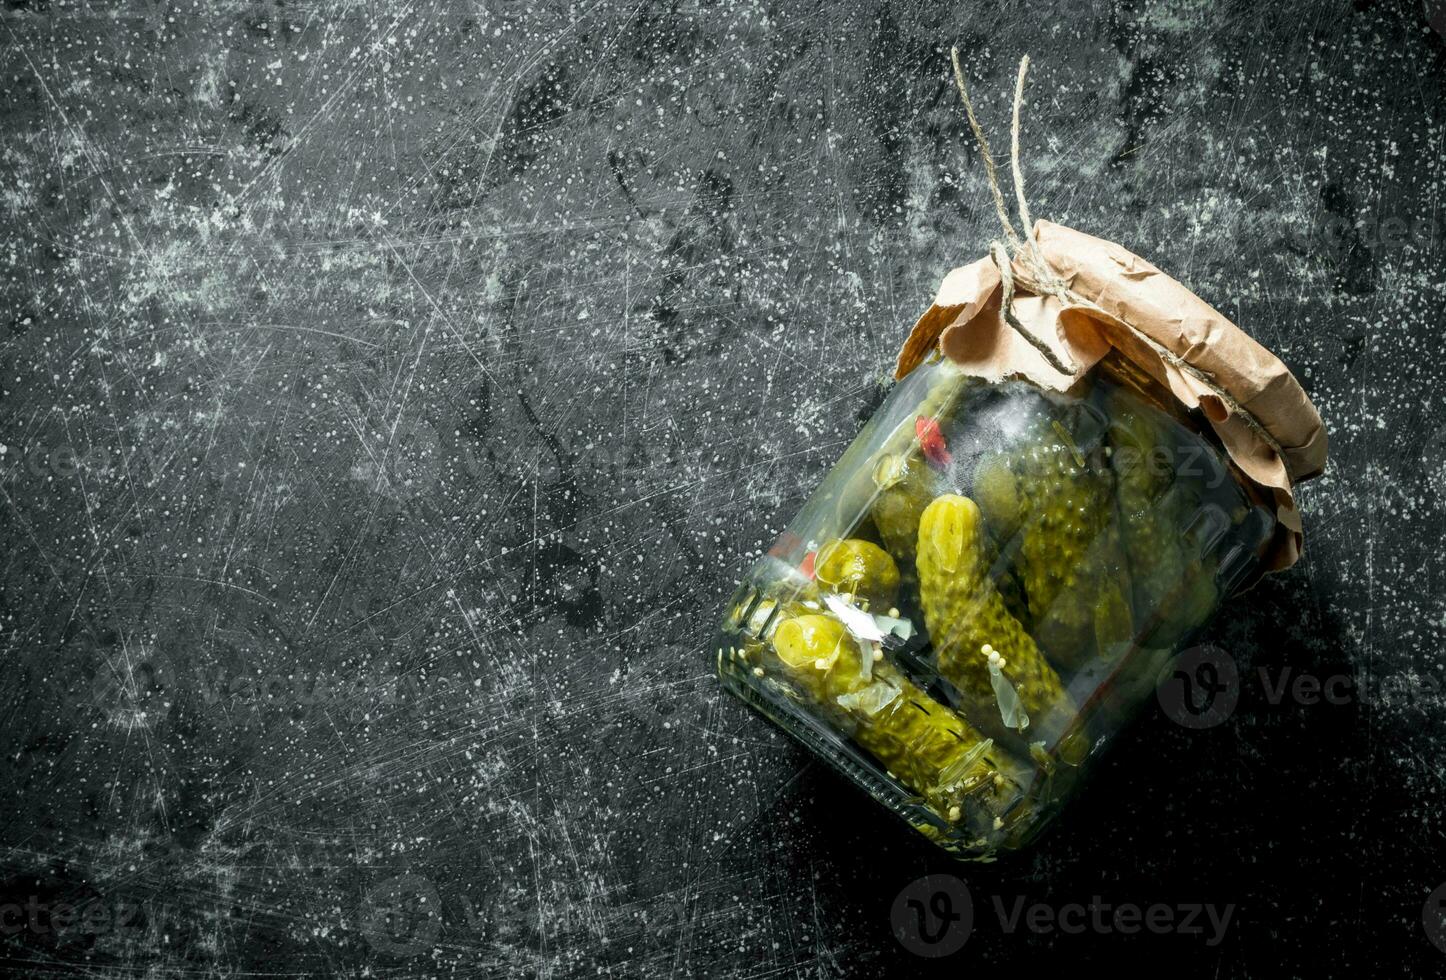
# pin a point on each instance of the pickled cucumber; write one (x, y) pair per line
(906, 485)
(1141, 460)
(971, 629)
(997, 493)
(1058, 498)
(1092, 617)
(1173, 587)
(923, 743)
(860, 568)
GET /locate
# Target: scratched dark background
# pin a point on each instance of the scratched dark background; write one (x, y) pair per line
(392, 392)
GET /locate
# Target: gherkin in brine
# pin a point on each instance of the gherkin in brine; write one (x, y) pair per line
(1144, 469)
(1168, 580)
(1058, 498)
(1093, 617)
(906, 485)
(976, 640)
(923, 743)
(859, 568)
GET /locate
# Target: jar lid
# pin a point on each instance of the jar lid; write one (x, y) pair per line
(1092, 296)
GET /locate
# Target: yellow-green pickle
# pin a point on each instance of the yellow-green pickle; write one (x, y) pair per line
(977, 643)
(985, 588)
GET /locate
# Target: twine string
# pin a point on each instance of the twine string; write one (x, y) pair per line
(983, 142)
(1014, 167)
(1037, 277)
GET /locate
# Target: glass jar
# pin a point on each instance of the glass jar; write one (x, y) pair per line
(985, 588)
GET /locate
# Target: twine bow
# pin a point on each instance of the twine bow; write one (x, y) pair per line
(1021, 263)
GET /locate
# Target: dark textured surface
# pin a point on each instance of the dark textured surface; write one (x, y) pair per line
(390, 394)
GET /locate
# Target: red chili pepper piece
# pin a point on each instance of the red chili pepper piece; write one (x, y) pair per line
(931, 441)
(806, 566)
